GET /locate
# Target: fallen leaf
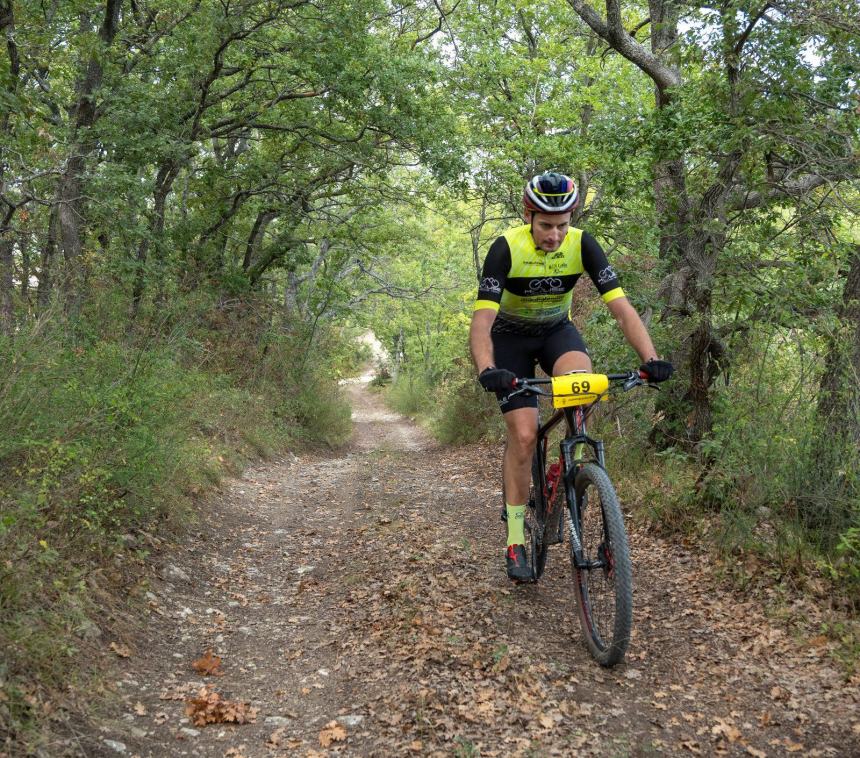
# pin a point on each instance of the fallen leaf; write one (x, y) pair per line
(276, 737)
(726, 730)
(208, 664)
(121, 650)
(756, 753)
(333, 732)
(777, 693)
(140, 708)
(210, 708)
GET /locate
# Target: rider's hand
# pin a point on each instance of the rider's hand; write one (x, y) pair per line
(494, 379)
(657, 370)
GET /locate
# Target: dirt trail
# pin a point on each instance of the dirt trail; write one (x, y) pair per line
(368, 589)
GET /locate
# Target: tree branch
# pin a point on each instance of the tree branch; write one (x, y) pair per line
(755, 199)
(744, 35)
(613, 32)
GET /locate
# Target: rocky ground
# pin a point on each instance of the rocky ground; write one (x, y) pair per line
(356, 604)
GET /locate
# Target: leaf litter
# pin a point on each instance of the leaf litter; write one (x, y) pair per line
(208, 707)
(429, 650)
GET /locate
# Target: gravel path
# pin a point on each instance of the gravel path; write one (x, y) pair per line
(358, 606)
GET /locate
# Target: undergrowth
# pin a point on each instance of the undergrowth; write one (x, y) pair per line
(106, 437)
(454, 406)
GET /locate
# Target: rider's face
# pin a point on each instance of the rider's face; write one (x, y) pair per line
(549, 230)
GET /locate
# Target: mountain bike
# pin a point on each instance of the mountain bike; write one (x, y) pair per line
(576, 484)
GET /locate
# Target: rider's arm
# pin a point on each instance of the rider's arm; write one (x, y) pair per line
(497, 264)
(634, 330)
(605, 279)
(480, 342)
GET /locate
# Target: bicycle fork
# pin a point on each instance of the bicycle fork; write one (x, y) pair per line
(573, 452)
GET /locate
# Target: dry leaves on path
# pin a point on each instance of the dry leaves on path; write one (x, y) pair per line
(123, 651)
(333, 732)
(210, 708)
(208, 664)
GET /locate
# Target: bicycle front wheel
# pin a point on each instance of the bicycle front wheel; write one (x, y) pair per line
(602, 571)
(536, 547)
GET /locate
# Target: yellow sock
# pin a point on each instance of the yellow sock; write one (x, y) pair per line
(516, 518)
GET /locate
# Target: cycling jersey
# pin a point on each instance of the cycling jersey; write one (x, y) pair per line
(532, 288)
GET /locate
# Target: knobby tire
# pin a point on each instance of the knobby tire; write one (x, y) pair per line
(536, 547)
(604, 595)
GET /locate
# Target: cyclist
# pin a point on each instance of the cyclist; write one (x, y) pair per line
(522, 318)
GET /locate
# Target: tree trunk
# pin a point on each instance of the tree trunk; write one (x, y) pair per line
(826, 501)
(25, 276)
(7, 285)
(839, 393)
(163, 184)
(691, 234)
(7, 239)
(671, 201)
(67, 213)
(255, 239)
(291, 298)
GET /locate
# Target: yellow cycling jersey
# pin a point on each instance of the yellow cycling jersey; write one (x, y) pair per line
(534, 287)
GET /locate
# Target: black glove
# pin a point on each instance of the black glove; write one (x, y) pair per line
(657, 370)
(497, 379)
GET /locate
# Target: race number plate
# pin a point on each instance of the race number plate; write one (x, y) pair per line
(578, 389)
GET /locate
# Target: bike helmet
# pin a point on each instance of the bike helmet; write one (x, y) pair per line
(551, 193)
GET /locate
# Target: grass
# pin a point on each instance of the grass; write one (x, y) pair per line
(104, 439)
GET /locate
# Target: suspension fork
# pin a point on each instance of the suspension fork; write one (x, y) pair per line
(573, 454)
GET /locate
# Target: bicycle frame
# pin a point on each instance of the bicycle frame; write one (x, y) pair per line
(600, 557)
(572, 453)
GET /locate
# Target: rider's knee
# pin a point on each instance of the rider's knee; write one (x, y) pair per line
(522, 439)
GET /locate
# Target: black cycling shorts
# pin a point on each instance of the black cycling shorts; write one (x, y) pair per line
(521, 352)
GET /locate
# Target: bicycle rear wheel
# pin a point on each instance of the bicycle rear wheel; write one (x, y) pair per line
(602, 573)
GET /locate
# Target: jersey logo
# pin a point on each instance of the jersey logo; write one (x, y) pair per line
(545, 286)
(606, 275)
(488, 284)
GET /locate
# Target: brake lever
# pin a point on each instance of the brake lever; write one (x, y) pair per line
(516, 393)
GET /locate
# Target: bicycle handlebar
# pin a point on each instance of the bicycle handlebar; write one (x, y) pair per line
(629, 380)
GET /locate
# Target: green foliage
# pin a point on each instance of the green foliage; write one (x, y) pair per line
(465, 413)
(104, 441)
(412, 394)
(261, 181)
(844, 566)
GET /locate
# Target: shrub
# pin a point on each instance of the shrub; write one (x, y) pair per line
(105, 437)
